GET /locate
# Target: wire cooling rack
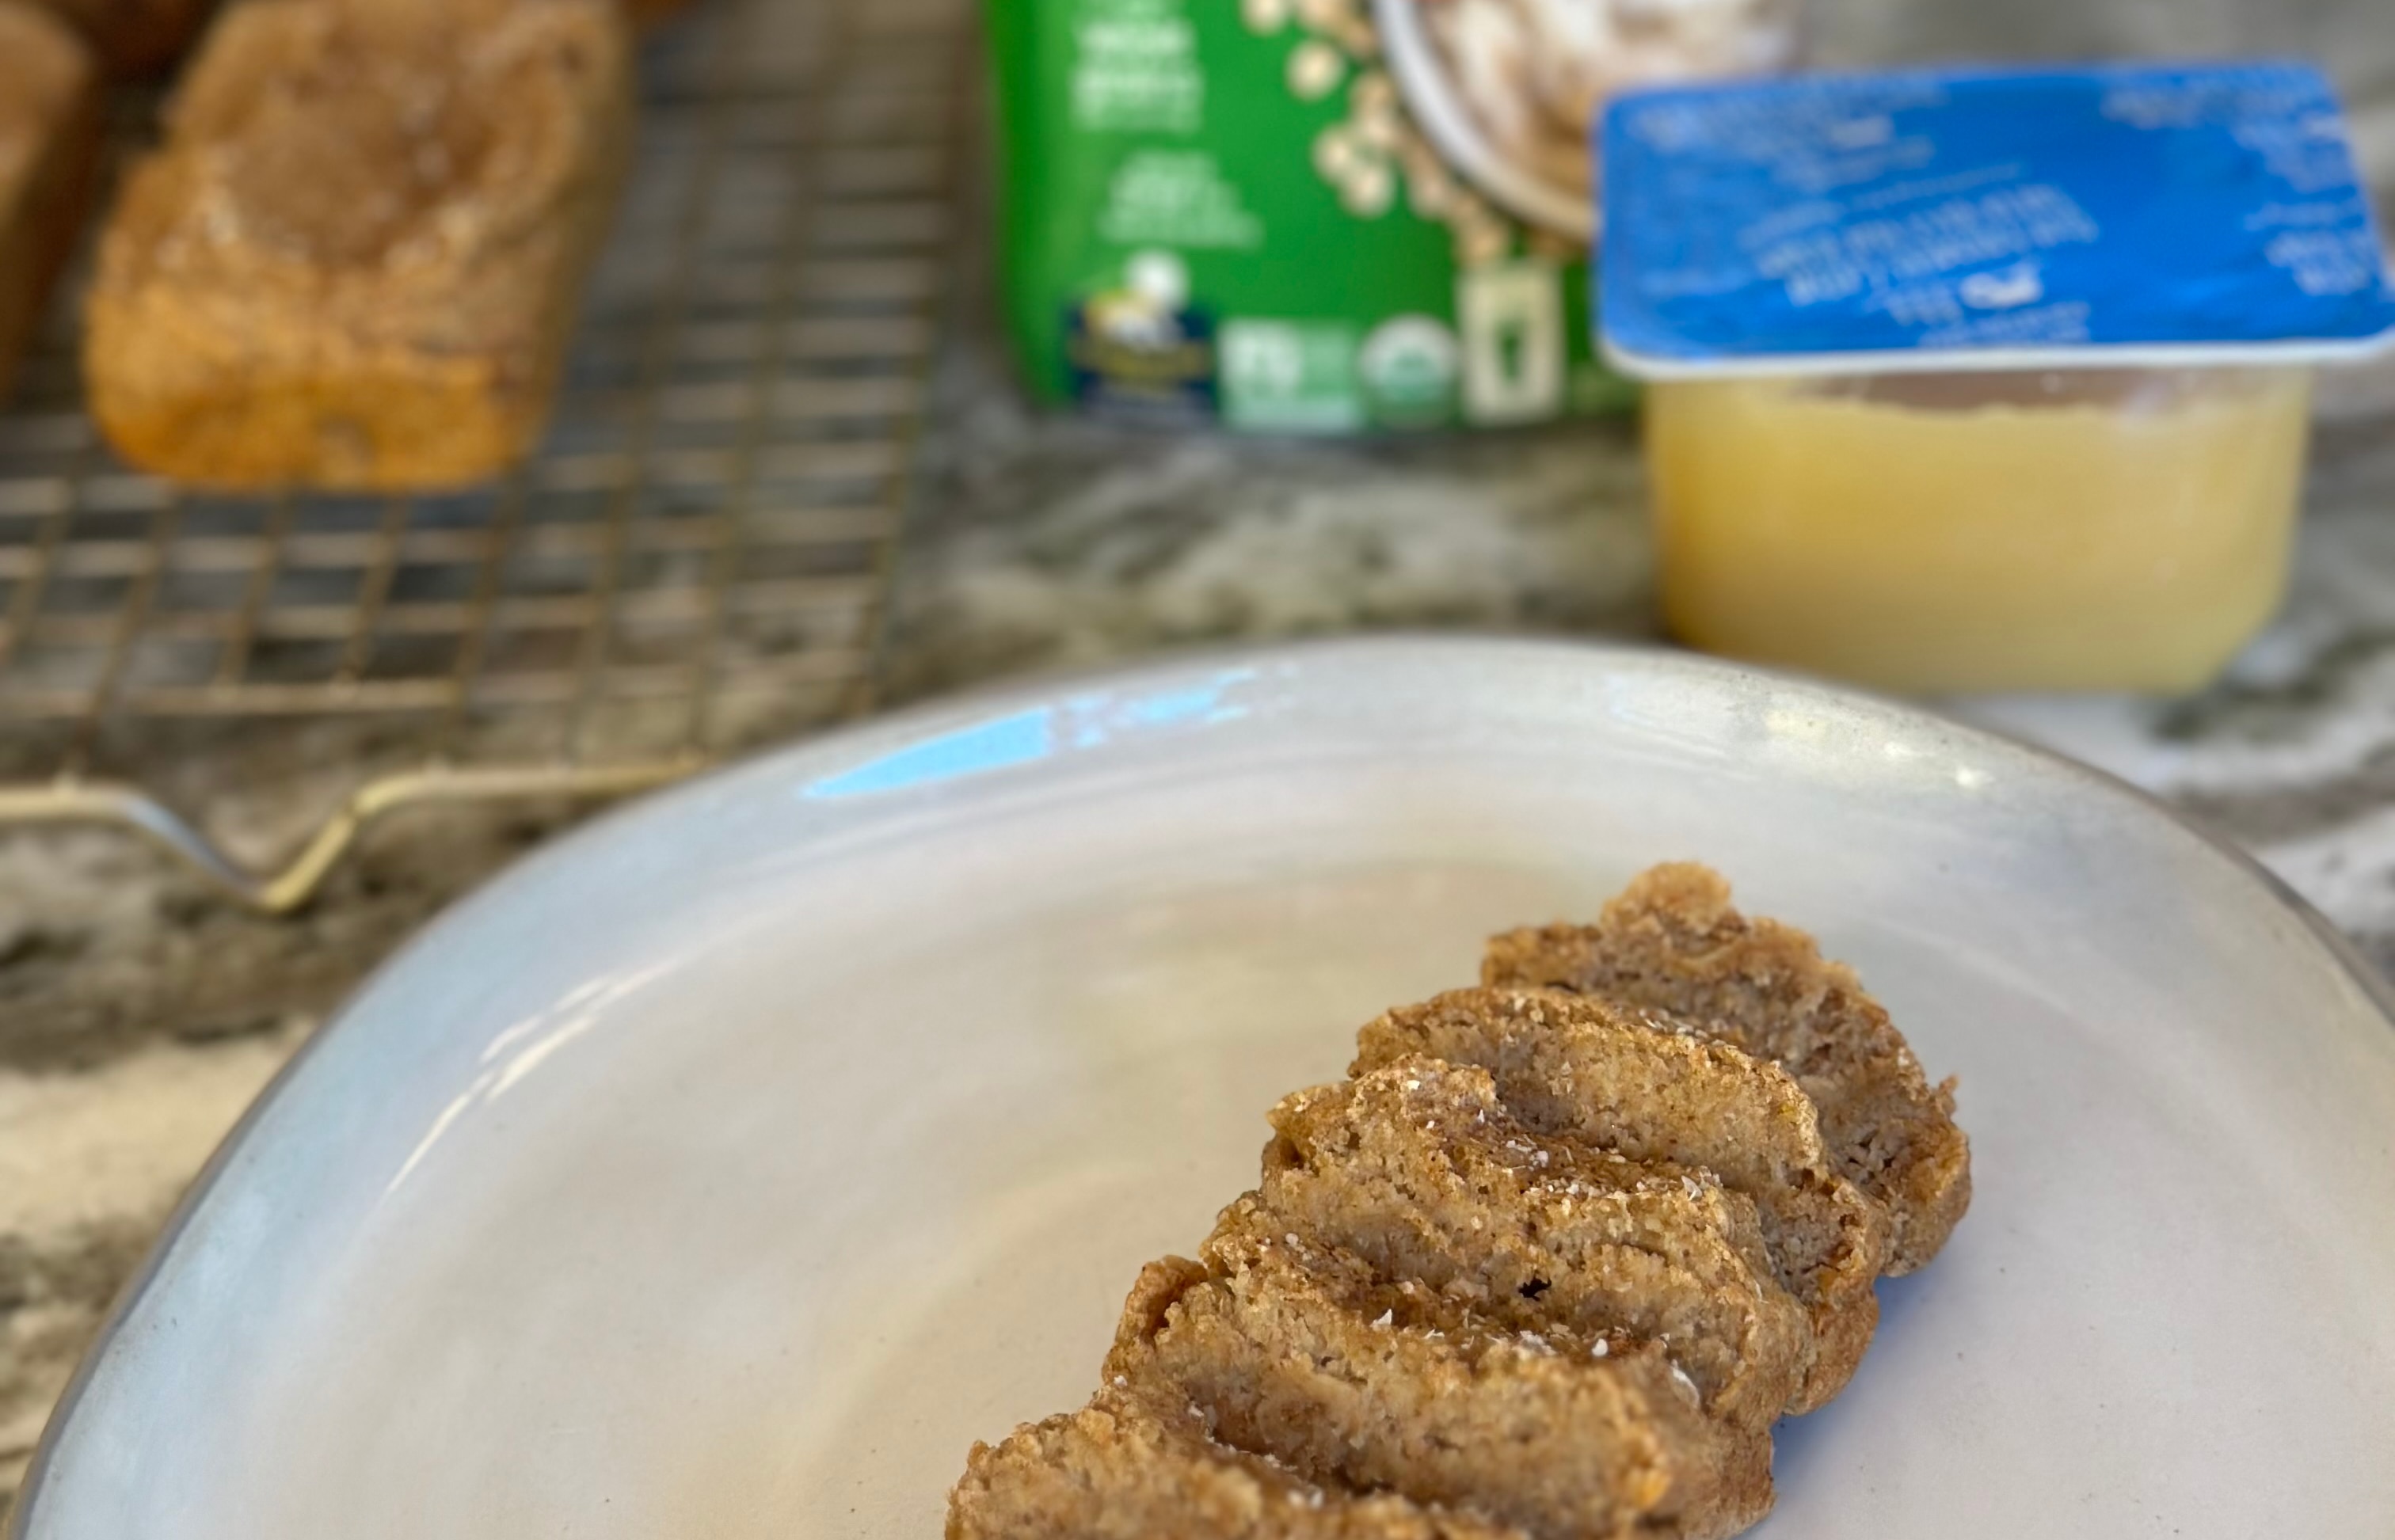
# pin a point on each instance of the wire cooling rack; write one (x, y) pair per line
(696, 558)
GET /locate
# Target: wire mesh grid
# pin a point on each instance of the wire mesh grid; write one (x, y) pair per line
(696, 558)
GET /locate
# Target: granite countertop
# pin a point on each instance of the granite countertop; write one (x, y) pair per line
(1047, 543)
(138, 1015)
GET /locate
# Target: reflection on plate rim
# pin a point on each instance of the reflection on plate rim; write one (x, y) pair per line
(877, 738)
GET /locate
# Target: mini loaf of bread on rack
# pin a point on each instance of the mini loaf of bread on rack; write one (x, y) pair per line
(355, 261)
(50, 139)
(1549, 1263)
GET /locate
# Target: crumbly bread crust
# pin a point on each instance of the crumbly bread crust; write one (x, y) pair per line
(1417, 1168)
(1672, 943)
(1116, 1470)
(355, 260)
(49, 142)
(1578, 1069)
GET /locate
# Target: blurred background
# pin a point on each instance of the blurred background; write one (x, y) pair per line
(795, 477)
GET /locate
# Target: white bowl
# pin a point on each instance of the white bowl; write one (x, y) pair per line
(728, 1168)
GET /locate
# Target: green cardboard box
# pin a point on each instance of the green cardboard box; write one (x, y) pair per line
(1234, 209)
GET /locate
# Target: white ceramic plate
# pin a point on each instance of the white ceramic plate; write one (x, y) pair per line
(725, 1169)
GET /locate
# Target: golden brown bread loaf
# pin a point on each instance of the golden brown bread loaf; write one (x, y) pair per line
(136, 39)
(1672, 943)
(49, 141)
(355, 260)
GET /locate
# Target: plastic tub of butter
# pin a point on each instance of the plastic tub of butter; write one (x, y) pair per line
(1965, 381)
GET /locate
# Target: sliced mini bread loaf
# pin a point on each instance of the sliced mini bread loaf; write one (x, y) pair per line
(1417, 1168)
(1578, 1069)
(1672, 944)
(1305, 1354)
(1116, 1470)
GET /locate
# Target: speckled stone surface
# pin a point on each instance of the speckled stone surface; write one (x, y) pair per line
(138, 1014)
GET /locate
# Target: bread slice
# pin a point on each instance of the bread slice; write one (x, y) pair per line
(355, 261)
(1417, 1169)
(1672, 943)
(136, 39)
(1580, 1069)
(49, 142)
(1116, 1470)
(1303, 1353)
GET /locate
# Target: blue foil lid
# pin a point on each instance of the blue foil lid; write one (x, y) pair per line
(1984, 219)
